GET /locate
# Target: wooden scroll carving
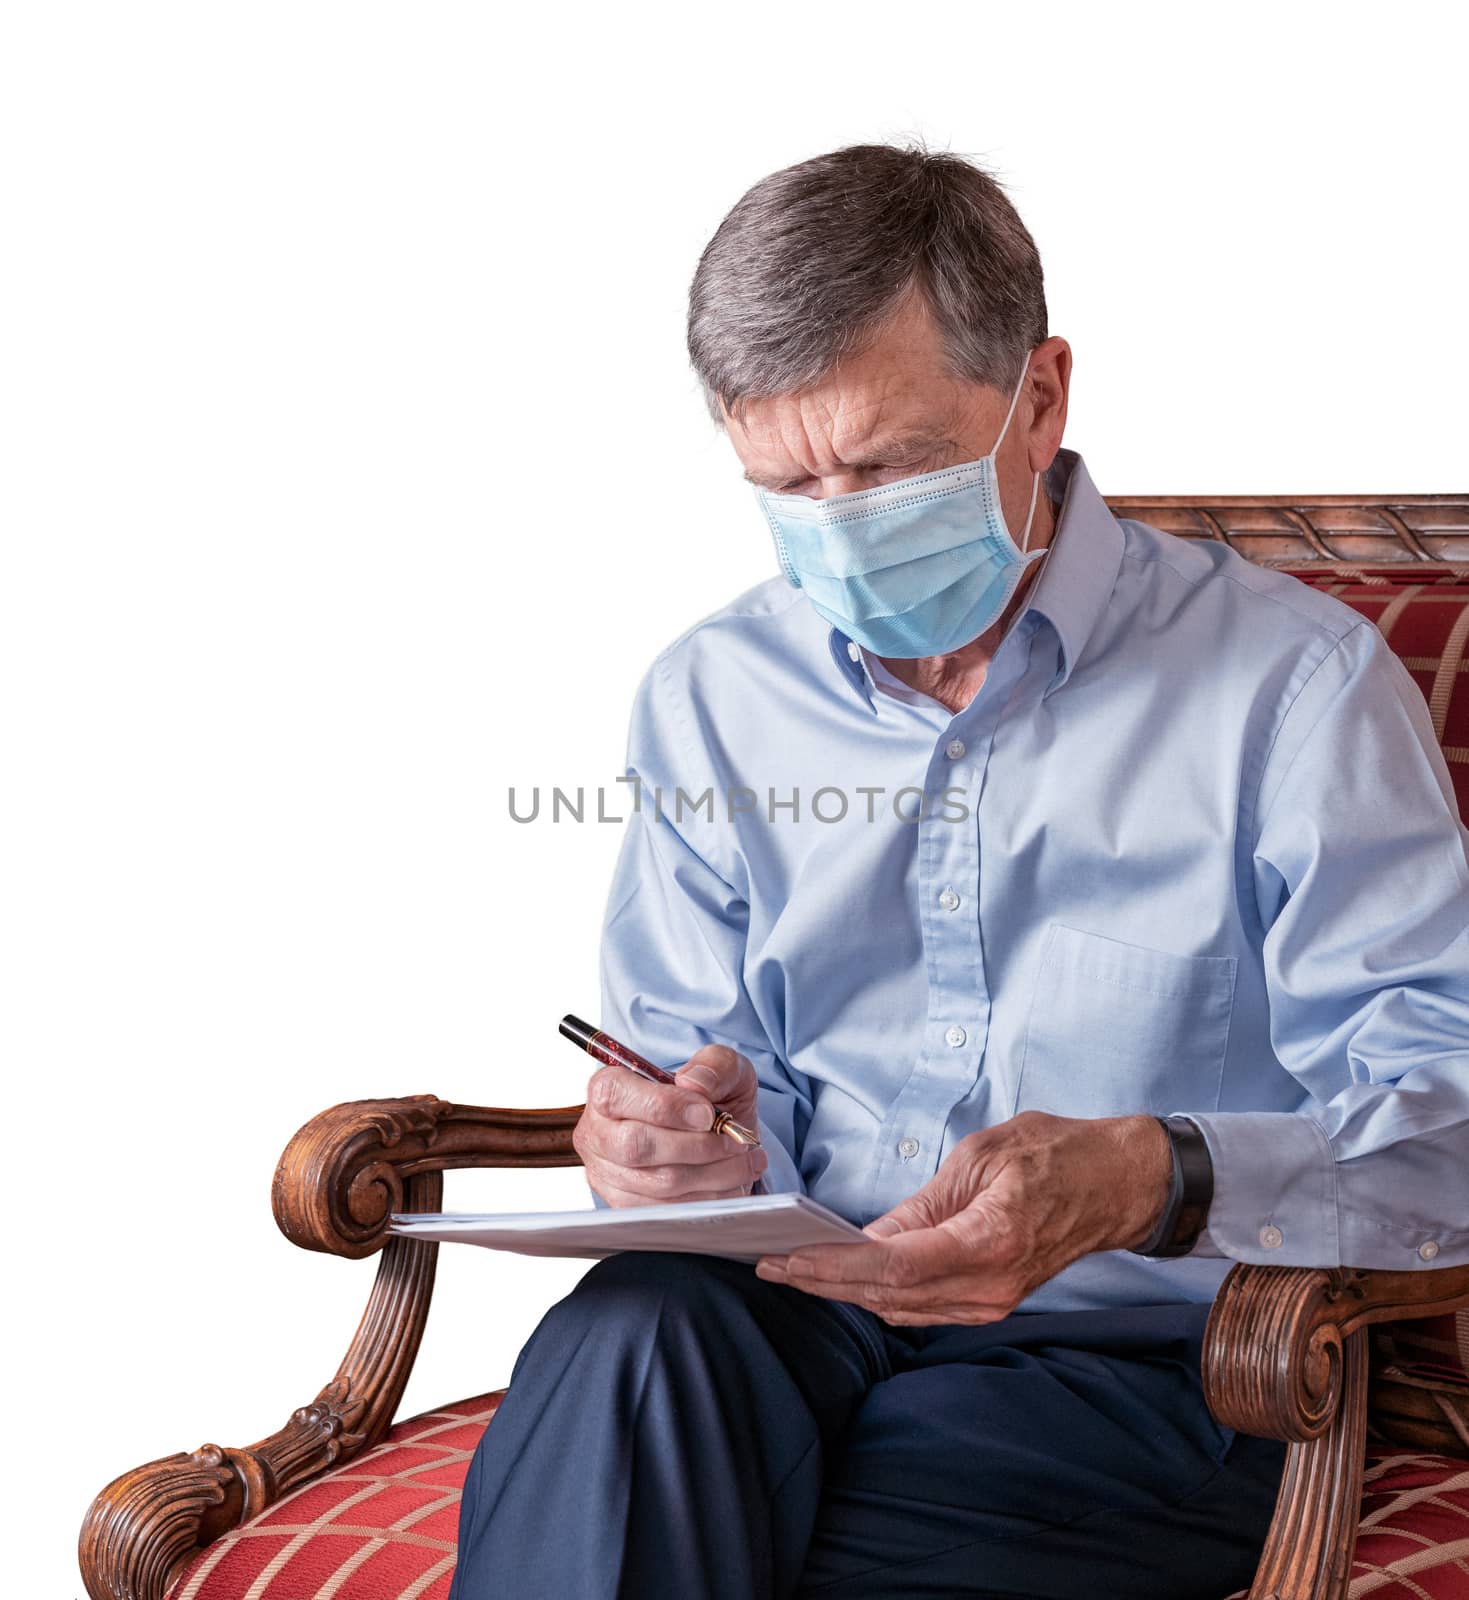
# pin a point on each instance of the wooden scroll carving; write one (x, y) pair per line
(1285, 1356)
(338, 1181)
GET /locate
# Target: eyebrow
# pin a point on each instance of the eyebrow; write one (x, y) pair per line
(893, 451)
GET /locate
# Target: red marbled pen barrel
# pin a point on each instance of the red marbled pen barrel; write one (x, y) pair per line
(607, 1050)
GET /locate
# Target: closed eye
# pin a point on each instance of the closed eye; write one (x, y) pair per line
(885, 472)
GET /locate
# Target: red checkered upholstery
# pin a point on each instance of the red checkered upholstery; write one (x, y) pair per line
(383, 1526)
(1413, 1539)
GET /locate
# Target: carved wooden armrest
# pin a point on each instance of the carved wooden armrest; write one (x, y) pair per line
(335, 1187)
(348, 1169)
(1285, 1356)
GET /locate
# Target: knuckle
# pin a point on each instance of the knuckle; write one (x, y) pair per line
(630, 1143)
(661, 1180)
(903, 1272)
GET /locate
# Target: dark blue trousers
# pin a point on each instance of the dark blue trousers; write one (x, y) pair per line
(676, 1426)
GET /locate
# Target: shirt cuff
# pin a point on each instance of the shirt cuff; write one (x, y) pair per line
(1274, 1189)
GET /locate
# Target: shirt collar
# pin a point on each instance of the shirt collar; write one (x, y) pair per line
(1075, 580)
(1078, 576)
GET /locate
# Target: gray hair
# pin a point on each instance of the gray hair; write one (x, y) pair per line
(811, 263)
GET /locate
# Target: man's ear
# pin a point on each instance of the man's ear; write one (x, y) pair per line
(1050, 388)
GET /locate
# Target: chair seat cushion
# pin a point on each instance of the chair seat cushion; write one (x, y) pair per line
(1413, 1536)
(383, 1526)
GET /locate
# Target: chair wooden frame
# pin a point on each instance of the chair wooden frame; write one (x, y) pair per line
(1286, 1348)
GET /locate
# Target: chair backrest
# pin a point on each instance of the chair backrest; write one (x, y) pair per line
(1402, 560)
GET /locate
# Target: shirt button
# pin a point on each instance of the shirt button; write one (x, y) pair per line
(854, 652)
(907, 1148)
(1428, 1249)
(955, 1037)
(954, 749)
(949, 900)
(1271, 1237)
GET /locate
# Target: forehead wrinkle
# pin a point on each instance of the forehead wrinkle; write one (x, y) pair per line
(892, 449)
(903, 442)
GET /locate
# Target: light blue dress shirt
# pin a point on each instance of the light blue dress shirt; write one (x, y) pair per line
(1209, 863)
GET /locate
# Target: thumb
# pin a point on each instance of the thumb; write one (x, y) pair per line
(713, 1070)
(924, 1208)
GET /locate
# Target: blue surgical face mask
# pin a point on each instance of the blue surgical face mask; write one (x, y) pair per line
(913, 568)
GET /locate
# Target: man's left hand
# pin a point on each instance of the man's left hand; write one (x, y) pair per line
(1008, 1208)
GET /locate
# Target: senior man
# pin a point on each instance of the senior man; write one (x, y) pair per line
(1077, 908)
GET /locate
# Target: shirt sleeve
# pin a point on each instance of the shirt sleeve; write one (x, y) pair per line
(673, 939)
(1361, 879)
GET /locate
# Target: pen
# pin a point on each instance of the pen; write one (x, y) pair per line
(607, 1050)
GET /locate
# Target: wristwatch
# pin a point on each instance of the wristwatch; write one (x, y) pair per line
(1192, 1189)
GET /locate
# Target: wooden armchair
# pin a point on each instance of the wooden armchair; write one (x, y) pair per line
(1289, 1353)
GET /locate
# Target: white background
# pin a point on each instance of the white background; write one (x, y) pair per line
(354, 472)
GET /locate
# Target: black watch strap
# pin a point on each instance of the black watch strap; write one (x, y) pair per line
(1187, 1210)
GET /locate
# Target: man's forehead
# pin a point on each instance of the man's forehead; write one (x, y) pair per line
(886, 446)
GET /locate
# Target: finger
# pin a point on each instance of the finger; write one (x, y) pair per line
(947, 1192)
(904, 1259)
(740, 1186)
(717, 1072)
(615, 1196)
(615, 1094)
(995, 1285)
(732, 1174)
(971, 1314)
(950, 1300)
(887, 1296)
(613, 1193)
(623, 1142)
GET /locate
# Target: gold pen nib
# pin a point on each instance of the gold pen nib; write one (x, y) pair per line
(724, 1123)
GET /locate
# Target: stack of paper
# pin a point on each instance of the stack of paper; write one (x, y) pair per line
(742, 1229)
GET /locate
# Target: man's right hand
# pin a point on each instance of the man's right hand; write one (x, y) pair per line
(646, 1143)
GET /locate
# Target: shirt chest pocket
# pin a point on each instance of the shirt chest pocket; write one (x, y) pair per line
(1115, 1028)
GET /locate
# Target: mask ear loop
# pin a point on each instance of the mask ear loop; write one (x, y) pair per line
(1014, 401)
(1035, 487)
(1035, 483)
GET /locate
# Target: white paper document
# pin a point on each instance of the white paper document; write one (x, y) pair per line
(742, 1229)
